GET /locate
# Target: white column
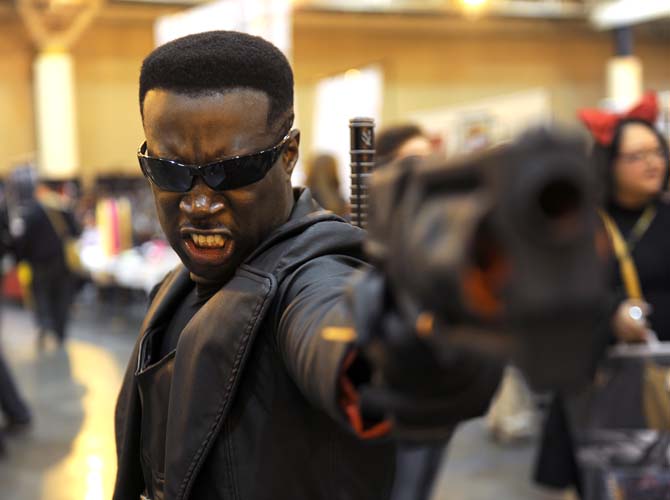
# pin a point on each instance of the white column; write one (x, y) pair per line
(624, 81)
(55, 113)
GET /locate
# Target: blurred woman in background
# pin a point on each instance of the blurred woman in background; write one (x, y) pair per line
(632, 157)
(400, 141)
(324, 183)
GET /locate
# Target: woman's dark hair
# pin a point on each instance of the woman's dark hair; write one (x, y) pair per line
(390, 139)
(324, 182)
(604, 156)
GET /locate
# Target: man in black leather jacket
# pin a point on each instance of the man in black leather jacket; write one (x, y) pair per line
(245, 380)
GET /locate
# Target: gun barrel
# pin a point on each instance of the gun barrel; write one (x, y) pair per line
(362, 152)
(552, 200)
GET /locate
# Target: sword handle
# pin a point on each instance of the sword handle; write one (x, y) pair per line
(362, 152)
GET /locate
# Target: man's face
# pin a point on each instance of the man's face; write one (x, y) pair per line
(213, 231)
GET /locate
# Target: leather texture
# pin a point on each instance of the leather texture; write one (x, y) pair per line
(253, 410)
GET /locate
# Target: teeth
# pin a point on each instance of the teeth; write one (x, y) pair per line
(208, 241)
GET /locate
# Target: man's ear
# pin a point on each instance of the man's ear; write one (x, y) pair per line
(291, 151)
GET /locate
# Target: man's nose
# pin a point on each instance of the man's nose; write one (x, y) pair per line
(201, 201)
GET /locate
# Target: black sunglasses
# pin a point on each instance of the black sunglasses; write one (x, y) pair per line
(227, 173)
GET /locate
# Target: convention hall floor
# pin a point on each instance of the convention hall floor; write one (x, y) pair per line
(68, 454)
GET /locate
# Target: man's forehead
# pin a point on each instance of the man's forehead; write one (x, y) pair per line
(228, 107)
(204, 127)
(237, 96)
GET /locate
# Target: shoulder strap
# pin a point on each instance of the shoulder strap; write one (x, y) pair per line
(629, 275)
(58, 222)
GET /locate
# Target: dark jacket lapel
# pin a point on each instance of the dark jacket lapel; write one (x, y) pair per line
(129, 481)
(173, 288)
(211, 353)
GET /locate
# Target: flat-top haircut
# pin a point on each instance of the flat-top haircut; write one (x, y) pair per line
(219, 61)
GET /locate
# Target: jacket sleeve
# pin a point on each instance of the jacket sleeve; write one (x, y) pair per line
(315, 337)
(333, 362)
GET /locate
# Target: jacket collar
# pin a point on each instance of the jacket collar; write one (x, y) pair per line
(306, 212)
(305, 204)
(171, 291)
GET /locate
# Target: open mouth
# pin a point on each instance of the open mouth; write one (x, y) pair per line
(208, 247)
(208, 240)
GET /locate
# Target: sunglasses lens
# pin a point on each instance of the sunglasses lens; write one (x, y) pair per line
(240, 172)
(166, 175)
(215, 176)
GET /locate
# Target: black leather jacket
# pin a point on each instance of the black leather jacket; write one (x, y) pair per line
(253, 397)
(253, 409)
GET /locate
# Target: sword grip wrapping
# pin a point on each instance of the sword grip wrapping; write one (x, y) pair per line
(362, 153)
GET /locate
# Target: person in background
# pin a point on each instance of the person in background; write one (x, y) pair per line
(400, 141)
(631, 156)
(39, 230)
(16, 414)
(324, 182)
(632, 160)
